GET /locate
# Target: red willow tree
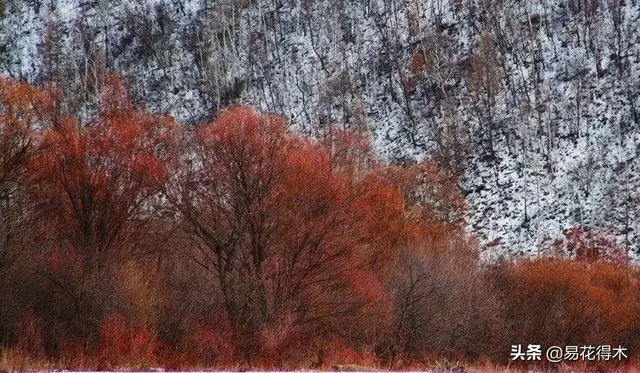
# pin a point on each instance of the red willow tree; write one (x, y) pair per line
(293, 241)
(94, 186)
(96, 182)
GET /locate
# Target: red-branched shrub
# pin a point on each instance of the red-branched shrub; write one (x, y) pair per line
(208, 345)
(443, 305)
(587, 244)
(568, 302)
(291, 240)
(122, 345)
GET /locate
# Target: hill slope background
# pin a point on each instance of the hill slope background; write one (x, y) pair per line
(535, 104)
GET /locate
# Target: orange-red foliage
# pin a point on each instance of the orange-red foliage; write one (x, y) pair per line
(434, 207)
(92, 180)
(295, 237)
(567, 302)
(91, 191)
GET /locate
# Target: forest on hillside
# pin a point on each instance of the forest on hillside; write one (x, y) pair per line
(132, 242)
(534, 104)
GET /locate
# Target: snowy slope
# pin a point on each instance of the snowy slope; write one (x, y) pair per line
(534, 102)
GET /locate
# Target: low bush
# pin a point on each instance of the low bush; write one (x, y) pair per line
(560, 302)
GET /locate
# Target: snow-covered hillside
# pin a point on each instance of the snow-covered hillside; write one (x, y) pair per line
(536, 103)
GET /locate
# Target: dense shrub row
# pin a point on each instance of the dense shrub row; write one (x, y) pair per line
(126, 240)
